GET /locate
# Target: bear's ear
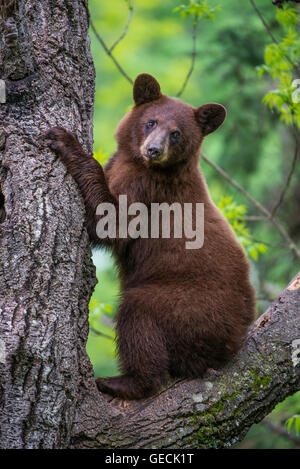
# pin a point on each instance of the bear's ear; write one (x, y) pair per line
(145, 89)
(210, 117)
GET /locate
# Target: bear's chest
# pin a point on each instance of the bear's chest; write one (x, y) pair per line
(143, 186)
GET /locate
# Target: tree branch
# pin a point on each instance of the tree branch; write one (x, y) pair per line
(254, 218)
(193, 56)
(130, 13)
(269, 217)
(281, 431)
(100, 333)
(289, 177)
(213, 412)
(109, 53)
(267, 27)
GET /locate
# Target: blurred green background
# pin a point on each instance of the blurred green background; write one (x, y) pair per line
(254, 146)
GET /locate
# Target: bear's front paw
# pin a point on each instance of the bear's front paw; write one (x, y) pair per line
(61, 141)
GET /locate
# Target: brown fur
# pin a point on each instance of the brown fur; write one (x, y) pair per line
(182, 310)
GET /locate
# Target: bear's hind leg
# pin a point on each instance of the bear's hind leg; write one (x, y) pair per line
(143, 355)
(128, 387)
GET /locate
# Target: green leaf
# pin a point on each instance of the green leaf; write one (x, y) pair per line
(201, 9)
(235, 215)
(286, 16)
(289, 423)
(297, 424)
(101, 157)
(107, 308)
(294, 420)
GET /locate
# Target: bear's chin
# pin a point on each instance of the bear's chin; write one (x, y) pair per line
(161, 162)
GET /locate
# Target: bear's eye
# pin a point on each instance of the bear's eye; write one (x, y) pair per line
(174, 136)
(151, 124)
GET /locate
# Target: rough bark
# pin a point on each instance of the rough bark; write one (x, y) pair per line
(46, 272)
(48, 398)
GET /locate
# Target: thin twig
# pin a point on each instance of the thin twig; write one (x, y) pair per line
(254, 218)
(130, 13)
(264, 298)
(289, 177)
(275, 427)
(193, 57)
(225, 176)
(264, 22)
(257, 241)
(292, 246)
(107, 50)
(108, 322)
(107, 336)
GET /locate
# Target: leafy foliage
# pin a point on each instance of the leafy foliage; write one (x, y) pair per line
(281, 61)
(99, 312)
(103, 305)
(235, 215)
(101, 157)
(199, 9)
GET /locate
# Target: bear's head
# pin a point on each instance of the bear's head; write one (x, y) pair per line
(160, 131)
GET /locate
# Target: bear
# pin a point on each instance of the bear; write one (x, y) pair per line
(182, 311)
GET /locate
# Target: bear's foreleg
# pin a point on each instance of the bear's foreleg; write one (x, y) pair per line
(88, 174)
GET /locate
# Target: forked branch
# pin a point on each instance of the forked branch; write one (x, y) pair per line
(214, 412)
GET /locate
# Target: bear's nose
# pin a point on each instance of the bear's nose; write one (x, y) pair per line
(154, 151)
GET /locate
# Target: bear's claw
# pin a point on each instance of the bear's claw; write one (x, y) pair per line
(59, 139)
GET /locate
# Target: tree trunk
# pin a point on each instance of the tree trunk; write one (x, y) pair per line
(46, 272)
(48, 397)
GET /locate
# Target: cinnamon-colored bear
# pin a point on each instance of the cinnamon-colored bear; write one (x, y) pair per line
(182, 310)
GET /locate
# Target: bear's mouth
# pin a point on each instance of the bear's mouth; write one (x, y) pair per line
(159, 160)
